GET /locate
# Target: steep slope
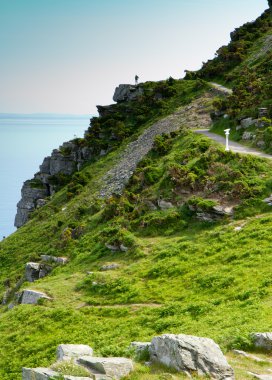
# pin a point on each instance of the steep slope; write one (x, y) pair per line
(164, 231)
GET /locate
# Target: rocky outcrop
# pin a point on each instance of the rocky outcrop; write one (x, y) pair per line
(35, 271)
(263, 340)
(114, 368)
(125, 92)
(54, 259)
(186, 353)
(46, 374)
(63, 161)
(31, 297)
(73, 351)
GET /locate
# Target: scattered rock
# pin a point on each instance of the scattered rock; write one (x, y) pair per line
(110, 267)
(248, 122)
(268, 200)
(112, 367)
(247, 136)
(260, 377)
(38, 373)
(72, 351)
(249, 356)
(58, 260)
(260, 144)
(187, 353)
(35, 271)
(140, 347)
(31, 297)
(164, 205)
(123, 248)
(263, 340)
(238, 228)
(112, 247)
(150, 205)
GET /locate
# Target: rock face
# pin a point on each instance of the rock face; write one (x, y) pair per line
(114, 368)
(125, 92)
(31, 297)
(54, 259)
(263, 340)
(35, 271)
(187, 353)
(73, 351)
(63, 161)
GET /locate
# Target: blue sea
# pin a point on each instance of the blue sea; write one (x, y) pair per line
(24, 142)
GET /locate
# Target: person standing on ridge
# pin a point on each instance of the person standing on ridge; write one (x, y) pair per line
(136, 79)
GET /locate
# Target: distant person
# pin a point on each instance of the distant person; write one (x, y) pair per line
(136, 79)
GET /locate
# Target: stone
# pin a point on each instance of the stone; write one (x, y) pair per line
(247, 136)
(238, 228)
(248, 122)
(260, 144)
(262, 340)
(40, 203)
(268, 200)
(238, 128)
(249, 356)
(32, 297)
(126, 92)
(110, 267)
(112, 247)
(35, 271)
(186, 353)
(140, 347)
(112, 367)
(38, 373)
(58, 260)
(150, 205)
(164, 205)
(123, 248)
(73, 351)
(260, 377)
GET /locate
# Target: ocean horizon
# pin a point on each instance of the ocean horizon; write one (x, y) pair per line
(25, 139)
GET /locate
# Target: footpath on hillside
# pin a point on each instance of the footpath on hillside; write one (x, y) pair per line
(233, 146)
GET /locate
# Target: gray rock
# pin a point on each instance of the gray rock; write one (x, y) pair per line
(263, 340)
(247, 136)
(28, 202)
(268, 200)
(260, 144)
(260, 377)
(31, 297)
(58, 260)
(40, 203)
(125, 92)
(73, 351)
(187, 353)
(123, 248)
(150, 205)
(35, 271)
(112, 247)
(248, 122)
(164, 205)
(112, 367)
(249, 356)
(238, 128)
(140, 347)
(38, 373)
(110, 267)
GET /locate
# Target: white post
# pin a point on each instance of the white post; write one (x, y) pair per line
(227, 132)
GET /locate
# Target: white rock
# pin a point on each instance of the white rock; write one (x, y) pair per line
(38, 373)
(71, 351)
(164, 205)
(263, 340)
(187, 353)
(112, 367)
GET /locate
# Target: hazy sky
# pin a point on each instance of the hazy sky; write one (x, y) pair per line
(66, 56)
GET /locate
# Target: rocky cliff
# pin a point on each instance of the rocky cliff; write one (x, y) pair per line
(62, 163)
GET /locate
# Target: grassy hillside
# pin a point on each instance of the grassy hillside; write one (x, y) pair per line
(183, 267)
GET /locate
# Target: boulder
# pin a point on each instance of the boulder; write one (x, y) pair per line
(31, 297)
(38, 373)
(140, 347)
(187, 354)
(72, 351)
(110, 266)
(58, 260)
(125, 92)
(268, 200)
(263, 340)
(115, 368)
(248, 122)
(247, 136)
(35, 271)
(164, 205)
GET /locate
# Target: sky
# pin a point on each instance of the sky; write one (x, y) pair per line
(66, 56)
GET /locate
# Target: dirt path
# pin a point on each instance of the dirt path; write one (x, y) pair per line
(194, 115)
(234, 146)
